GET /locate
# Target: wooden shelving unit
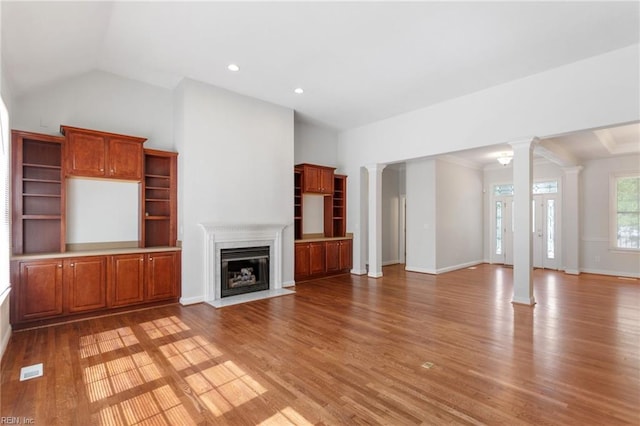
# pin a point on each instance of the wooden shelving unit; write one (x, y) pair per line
(159, 225)
(335, 208)
(297, 203)
(339, 211)
(38, 194)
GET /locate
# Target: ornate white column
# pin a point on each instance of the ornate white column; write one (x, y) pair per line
(522, 217)
(375, 219)
(571, 226)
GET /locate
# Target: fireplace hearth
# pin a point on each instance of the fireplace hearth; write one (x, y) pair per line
(244, 270)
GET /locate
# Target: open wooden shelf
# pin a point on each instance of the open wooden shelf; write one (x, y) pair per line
(39, 193)
(159, 224)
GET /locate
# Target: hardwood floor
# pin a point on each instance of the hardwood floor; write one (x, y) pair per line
(348, 350)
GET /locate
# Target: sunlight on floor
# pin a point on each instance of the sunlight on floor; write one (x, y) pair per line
(164, 327)
(106, 341)
(220, 388)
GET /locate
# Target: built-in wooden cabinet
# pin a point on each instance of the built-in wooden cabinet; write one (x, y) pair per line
(302, 266)
(317, 179)
(51, 284)
(317, 258)
(162, 271)
(320, 258)
(339, 255)
(126, 279)
(37, 290)
(85, 283)
(92, 153)
(38, 193)
(50, 290)
(330, 252)
(159, 202)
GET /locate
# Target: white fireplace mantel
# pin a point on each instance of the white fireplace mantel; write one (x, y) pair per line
(221, 236)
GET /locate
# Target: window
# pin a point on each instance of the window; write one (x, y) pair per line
(498, 227)
(626, 211)
(5, 238)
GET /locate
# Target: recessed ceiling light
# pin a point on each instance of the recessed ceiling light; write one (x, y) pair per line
(299, 91)
(233, 67)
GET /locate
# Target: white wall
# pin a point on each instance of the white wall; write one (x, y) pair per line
(315, 144)
(596, 254)
(236, 166)
(390, 215)
(421, 216)
(101, 101)
(596, 92)
(459, 216)
(313, 214)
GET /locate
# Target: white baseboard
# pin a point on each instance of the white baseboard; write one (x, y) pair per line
(5, 325)
(5, 340)
(358, 271)
(611, 273)
(529, 301)
(572, 271)
(374, 274)
(443, 270)
(390, 262)
(291, 283)
(420, 270)
(191, 300)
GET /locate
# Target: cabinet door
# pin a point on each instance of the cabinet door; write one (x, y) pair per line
(125, 159)
(333, 256)
(85, 155)
(317, 262)
(302, 260)
(312, 179)
(126, 282)
(346, 254)
(161, 276)
(86, 283)
(39, 291)
(326, 179)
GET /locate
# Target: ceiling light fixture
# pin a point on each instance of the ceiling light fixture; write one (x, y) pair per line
(505, 158)
(233, 67)
(299, 91)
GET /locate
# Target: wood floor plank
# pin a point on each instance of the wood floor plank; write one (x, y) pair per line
(348, 350)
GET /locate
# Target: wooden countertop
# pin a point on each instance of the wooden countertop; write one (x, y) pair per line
(96, 252)
(314, 239)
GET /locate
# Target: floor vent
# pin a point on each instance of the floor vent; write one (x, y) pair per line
(31, 372)
(427, 365)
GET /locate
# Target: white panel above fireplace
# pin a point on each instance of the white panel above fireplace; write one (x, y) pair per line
(221, 236)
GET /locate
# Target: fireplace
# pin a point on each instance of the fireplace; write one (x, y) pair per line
(244, 270)
(218, 238)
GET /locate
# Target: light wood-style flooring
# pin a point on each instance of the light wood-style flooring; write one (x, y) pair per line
(404, 349)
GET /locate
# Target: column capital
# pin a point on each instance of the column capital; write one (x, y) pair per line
(572, 170)
(528, 142)
(373, 168)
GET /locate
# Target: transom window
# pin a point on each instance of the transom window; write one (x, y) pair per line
(549, 187)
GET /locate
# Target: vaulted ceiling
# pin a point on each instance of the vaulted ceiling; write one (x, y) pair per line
(357, 62)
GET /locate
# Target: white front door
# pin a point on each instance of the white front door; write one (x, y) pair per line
(545, 230)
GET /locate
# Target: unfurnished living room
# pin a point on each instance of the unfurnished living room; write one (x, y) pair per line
(320, 213)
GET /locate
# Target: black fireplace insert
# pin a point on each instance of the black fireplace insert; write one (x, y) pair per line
(244, 270)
